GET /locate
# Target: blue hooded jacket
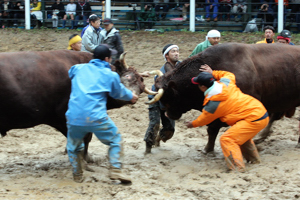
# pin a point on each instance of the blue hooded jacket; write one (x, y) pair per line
(91, 83)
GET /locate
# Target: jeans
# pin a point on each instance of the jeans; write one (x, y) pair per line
(106, 132)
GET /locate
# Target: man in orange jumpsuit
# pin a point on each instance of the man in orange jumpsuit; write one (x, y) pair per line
(245, 114)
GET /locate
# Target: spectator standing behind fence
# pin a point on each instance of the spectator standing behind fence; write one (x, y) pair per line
(92, 37)
(269, 34)
(58, 9)
(185, 9)
(70, 14)
(224, 10)
(111, 36)
(266, 13)
(83, 11)
(212, 38)
(161, 5)
(211, 7)
(75, 42)
(7, 12)
(239, 6)
(147, 16)
(19, 12)
(36, 13)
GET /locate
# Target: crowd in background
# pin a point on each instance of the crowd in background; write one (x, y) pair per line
(151, 11)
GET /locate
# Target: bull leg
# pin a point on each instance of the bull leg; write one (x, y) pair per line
(266, 131)
(212, 130)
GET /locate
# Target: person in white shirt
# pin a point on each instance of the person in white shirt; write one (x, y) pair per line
(70, 13)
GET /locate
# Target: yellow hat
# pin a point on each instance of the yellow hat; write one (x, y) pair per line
(74, 39)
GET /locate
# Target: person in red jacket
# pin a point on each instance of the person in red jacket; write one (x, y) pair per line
(245, 114)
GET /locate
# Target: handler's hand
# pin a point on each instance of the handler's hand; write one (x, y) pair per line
(205, 68)
(134, 98)
(189, 124)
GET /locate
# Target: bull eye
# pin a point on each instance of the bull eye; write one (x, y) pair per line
(128, 76)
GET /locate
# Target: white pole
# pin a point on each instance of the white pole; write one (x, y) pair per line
(280, 15)
(27, 14)
(192, 15)
(108, 8)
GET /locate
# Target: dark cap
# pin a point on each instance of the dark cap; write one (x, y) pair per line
(286, 34)
(103, 51)
(107, 21)
(204, 78)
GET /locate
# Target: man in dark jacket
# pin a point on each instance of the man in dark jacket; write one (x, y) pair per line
(83, 11)
(7, 12)
(111, 36)
(19, 12)
(156, 113)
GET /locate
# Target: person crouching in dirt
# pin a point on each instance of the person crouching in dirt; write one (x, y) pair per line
(156, 113)
(75, 42)
(91, 84)
(245, 114)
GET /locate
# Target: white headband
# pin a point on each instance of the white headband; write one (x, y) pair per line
(213, 33)
(168, 49)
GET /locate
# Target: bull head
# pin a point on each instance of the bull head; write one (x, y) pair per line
(176, 92)
(130, 78)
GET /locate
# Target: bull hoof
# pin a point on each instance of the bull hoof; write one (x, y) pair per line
(298, 145)
(207, 150)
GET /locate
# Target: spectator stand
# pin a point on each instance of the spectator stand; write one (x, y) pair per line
(124, 15)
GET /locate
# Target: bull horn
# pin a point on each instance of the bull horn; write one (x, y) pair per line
(156, 72)
(147, 91)
(122, 60)
(157, 97)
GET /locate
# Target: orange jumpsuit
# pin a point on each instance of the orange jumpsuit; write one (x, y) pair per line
(245, 114)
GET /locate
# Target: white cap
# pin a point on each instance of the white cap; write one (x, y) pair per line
(213, 33)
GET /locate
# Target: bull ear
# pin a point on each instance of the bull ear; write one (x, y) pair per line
(118, 67)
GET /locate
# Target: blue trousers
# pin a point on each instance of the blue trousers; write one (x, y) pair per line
(208, 11)
(106, 132)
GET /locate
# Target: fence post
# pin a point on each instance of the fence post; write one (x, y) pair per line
(280, 15)
(108, 9)
(27, 14)
(192, 15)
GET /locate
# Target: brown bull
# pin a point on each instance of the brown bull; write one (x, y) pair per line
(270, 73)
(35, 88)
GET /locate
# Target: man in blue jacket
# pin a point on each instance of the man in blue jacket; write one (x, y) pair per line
(91, 84)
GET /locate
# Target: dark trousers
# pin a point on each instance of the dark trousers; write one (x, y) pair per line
(18, 16)
(81, 17)
(155, 116)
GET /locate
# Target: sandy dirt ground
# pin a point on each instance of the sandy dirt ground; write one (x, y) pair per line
(33, 164)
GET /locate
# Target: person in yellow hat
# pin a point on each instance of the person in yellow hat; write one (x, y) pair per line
(74, 42)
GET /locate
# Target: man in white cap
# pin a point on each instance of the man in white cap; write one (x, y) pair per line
(156, 113)
(212, 38)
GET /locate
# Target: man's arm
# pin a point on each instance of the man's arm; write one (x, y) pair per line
(119, 44)
(118, 90)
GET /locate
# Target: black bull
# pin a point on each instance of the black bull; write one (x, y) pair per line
(35, 88)
(268, 72)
